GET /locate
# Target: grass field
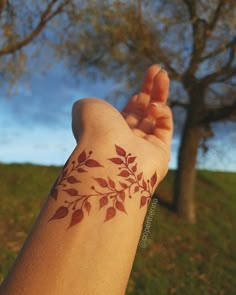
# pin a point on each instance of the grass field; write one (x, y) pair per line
(179, 258)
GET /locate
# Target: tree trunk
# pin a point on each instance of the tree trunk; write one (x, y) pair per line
(186, 174)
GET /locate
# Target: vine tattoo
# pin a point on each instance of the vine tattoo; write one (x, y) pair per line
(111, 196)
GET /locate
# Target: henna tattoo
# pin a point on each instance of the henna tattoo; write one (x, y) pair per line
(65, 176)
(111, 195)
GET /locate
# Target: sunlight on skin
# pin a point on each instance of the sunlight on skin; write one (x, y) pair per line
(121, 173)
(147, 113)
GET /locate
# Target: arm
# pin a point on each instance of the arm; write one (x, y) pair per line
(85, 238)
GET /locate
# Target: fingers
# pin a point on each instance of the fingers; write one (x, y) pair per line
(147, 125)
(158, 123)
(155, 88)
(143, 101)
(139, 132)
(131, 114)
(148, 79)
(160, 89)
(162, 114)
(158, 116)
(129, 105)
(133, 120)
(143, 98)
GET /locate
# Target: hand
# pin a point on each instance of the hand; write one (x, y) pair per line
(147, 113)
(149, 130)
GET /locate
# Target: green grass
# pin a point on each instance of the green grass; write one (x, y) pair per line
(179, 258)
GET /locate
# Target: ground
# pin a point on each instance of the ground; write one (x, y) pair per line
(179, 258)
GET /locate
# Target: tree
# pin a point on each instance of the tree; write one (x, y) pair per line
(21, 24)
(196, 42)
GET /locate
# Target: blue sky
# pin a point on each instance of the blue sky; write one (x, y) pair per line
(35, 123)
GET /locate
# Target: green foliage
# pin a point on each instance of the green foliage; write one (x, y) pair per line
(179, 258)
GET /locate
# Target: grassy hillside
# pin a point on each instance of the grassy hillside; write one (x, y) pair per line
(179, 258)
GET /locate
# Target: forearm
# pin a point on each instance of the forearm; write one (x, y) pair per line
(86, 236)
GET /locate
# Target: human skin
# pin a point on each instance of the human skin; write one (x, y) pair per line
(85, 238)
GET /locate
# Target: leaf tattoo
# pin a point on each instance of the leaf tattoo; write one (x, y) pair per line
(111, 195)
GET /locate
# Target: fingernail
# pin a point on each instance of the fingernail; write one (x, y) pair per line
(157, 104)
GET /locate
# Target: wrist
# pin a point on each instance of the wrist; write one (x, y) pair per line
(108, 182)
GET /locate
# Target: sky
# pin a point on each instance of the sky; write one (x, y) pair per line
(35, 122)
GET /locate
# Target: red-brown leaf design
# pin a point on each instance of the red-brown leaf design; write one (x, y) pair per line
(122, 196)
(131, 160)
(124, 173)
(77, 217)
(120, 206)
(61, 212)
(72, 179)
(120, 151)
(131, 180)
(124, 185)
(153, 179)
(139, 177)
(102, 182)
(116, 160)
(111, 183)
(143, 201)
(134, 168)
(92, 163)
(87, 206)
(72, 192)
(82, 157)
(144, 184)
(112, 196)
(103, 202)
(81, 170)
(136, 189)
(111, 212)
(63, 174)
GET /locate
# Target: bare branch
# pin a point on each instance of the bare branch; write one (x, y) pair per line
(216, 15)
(220, 76)
(140, 11)
(48, 9)
(2, 5)
(226, 72)
(231, 44)
(176, 103)
(199, 29)
(226, 112)
(46, 16)
(171, 71)
(230, 83)
(92, 60)
(58, 10)
(191, 5)
(152, 57)
(229, 74)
